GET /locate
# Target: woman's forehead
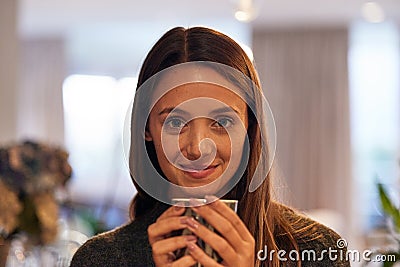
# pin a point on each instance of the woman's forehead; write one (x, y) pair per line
(201, 98)
(193, 75)
(191, 91)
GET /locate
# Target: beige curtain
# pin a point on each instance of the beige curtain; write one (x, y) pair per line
(304, 74)
(42, 72)
(8, 70)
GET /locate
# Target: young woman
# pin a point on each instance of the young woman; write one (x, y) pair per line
(199, 130)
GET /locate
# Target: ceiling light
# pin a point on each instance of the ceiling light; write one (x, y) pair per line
(373, 12)
(246, 11)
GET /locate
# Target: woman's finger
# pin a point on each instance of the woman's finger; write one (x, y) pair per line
(221, 224)
(218, 243)
(185, 261)
(206, 211)
(171, 244)
(200, 256)
(172, 211)
(160, 229)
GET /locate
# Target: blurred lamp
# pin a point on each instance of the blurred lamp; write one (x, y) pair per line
(246, 11)
(373, 12)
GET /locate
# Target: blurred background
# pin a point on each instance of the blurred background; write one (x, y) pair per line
(330, 71)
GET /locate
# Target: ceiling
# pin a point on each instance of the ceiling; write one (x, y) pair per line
(56, 16)
(112, 36)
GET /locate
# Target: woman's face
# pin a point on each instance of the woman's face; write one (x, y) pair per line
(198, 130)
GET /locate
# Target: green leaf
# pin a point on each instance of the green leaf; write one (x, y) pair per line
(391, 258)
(388, 207)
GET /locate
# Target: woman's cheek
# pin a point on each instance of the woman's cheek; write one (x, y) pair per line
(169, 147)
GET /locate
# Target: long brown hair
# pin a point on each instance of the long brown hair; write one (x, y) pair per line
(261, 214)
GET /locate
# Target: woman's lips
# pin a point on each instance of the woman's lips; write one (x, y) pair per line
(199, 174)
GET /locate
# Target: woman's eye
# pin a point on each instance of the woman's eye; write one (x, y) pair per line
(224, 122)
(175, 123)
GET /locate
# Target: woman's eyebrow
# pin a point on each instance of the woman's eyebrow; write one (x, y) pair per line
(217, 111)
(168, 110)
(224, 110)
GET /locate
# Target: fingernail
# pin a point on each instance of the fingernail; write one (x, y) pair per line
(190, 238)
(210, 199)
(178, 208)
(192, 223)
(183, 220)
(191, 246)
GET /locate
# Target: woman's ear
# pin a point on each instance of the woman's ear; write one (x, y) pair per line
(147, 135)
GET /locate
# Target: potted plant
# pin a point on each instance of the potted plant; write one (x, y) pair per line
(393, 214)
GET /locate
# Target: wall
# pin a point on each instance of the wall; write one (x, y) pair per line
(8, 69)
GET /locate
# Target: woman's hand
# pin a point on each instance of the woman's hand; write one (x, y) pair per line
(235, 245)
(163, 247)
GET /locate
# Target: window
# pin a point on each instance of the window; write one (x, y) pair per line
(95, 109)
(374, 65)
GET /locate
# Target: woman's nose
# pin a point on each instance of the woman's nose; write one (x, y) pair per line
(197, 142)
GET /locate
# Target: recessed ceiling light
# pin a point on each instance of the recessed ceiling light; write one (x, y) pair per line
(373, 12)
(246, 11)
(244, 16)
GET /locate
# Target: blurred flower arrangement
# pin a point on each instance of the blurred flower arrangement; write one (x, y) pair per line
(30, 175)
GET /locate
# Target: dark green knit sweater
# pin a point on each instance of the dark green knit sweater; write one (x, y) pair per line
(128, 245)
